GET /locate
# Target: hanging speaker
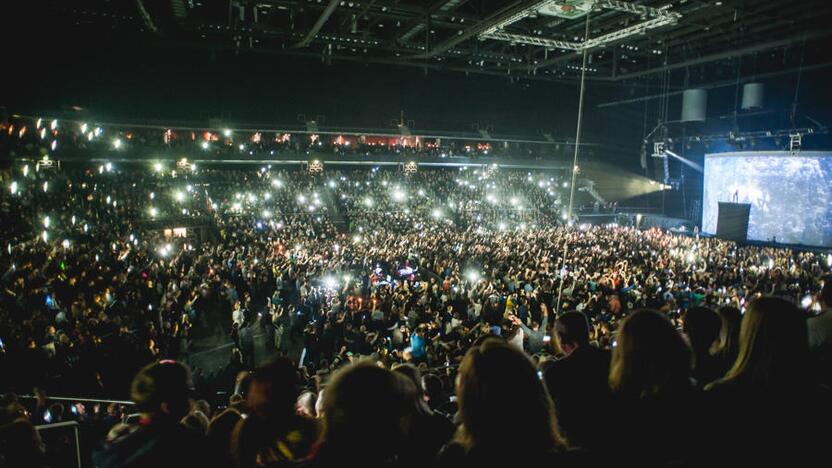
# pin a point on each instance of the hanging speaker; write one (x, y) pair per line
(752, 96)
(694, 105)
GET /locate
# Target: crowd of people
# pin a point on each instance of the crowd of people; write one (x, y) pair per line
(58, 137)
(369, 316)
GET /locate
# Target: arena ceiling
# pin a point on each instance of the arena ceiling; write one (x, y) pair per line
(534, 39)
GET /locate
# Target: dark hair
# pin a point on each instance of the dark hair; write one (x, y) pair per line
(277, 384)
(702, 326)
(365, 411)
(490, 375)
(573, 327)
(651, 358)
(165, 382)
(774, 345)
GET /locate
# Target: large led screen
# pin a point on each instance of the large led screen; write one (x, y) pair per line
(790, 194)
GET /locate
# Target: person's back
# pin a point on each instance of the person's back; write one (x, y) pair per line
(768, 406)
(160, 391)
(578, 383)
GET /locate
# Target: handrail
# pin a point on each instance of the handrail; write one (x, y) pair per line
(75, 428)
(95, 400)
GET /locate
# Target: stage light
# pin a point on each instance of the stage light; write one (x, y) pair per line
(65, 243)
(117, 143)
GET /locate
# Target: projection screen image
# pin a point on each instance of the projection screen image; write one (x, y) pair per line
(790, 195)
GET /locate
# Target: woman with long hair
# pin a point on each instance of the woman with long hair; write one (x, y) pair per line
(654, 396)
(506, 412)
(768, 398)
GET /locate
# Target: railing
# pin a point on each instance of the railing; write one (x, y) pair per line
(68, 424)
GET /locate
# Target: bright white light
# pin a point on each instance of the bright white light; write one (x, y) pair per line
(25, 170)
(54, 144)
(398, 195)
(189, 188)
(117, 143)
(39, 122)
(46, 221)
(242, 147)
(205, 145)
(101, 169)
(54, 124)
(514, 200)
(152, 195)
(770, 264)
(13, 188)
(83, 128)
(267, 196)
(501, 226)
(277, 183)
(565, 184)
(473, 276)
(301, 198)
(421, 193)
(236, 206)
(226, 132)
(564, 216)
(86, 227)
(179, 196)
(46, 186)
(330, 282)
(72, 220)
(158, 167)
(331, 184)
(312, 207)
(829, 260)
(541, 184)
(436, 213)
(368, 201)
(65, 243)
(267, 214)
(97, 131)
(153, 212)
(108, 199)
(45, 236)
(356, 238)
(108, 166)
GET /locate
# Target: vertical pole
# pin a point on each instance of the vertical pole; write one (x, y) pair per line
(574, 163)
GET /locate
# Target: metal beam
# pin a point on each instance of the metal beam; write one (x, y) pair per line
(318, 24)
(725, 55)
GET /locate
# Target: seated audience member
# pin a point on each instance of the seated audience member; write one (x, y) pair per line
(767, 406)
(161, 392)
(653, 420)
(820, 334)
(702, 327)
(273, 434)
(429, 431)
(578, 382)
(366, 414)
(436, 397)
(218, 439)
(507, 414)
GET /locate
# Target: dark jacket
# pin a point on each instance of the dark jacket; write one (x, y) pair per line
(154, 444)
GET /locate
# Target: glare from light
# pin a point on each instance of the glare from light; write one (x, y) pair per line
(301, 199)
(39, 123)
(331, 184)
(189, 188)
(13, 188)
(236, 206)
(205, 145)
(421, 193)
(436, 213)
(267, 196)
(25, 170)
(45, 236)
(158, 167)
(368, 201)
(65, 243)
(152, 195)
(54, 124)
(330, 282)
(46, 186)
(277, 183)
(226, 132)
(473, 276)
(514, 200)
(565, 184)
(398, 195)
(83, 128)
(267, 214)
(153, 212)
(179, 196)
(117, 143)
(108, 167)
(54, 145)
(46, 222)
(242, 147)
(72, 220)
